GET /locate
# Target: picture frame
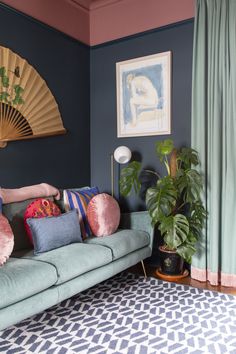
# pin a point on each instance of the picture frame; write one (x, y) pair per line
(143, 87)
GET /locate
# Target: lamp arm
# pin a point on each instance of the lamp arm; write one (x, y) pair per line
(112, 175)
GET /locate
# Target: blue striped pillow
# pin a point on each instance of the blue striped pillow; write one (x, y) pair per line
(79, 199)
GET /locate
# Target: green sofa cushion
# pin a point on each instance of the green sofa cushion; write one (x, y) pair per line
(72, 260)
(22, 278)
(122, 242)
(15, 215)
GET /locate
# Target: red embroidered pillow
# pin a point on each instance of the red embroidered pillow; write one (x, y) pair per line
(103, 215)
(39, 208)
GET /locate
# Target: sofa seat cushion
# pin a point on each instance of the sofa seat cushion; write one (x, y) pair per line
(72, 260)
(22, 278)
(122, 242)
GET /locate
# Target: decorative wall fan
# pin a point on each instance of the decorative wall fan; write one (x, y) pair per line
(27, 107)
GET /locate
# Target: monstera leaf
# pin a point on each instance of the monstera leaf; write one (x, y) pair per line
(161, 200)
(164, 148)
(188, 157)
(129, 178)
(175, 230)
(197, 218)
(189, 183)
(186, 251)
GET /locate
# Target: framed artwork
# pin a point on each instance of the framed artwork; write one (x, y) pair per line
(144, 96)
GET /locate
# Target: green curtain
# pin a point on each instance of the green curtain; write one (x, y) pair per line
(214, 136)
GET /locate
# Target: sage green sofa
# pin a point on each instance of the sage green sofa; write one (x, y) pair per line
(30, 284)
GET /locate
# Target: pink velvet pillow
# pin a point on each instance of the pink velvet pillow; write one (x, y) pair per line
(103, 215)
(6, 238)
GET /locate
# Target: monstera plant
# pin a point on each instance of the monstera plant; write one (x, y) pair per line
(174, 202)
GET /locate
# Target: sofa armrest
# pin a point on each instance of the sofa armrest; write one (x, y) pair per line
(139, 220)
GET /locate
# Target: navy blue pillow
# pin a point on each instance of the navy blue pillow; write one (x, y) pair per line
(54, 231)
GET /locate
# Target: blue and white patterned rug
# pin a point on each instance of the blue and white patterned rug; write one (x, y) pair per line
(130, 315)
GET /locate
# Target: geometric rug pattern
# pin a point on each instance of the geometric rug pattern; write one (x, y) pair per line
(130, 315)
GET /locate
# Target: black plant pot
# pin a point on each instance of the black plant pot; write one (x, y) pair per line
(170, 262)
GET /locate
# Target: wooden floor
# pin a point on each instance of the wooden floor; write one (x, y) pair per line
(188, 281)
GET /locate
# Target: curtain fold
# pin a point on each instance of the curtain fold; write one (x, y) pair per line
(214, 136)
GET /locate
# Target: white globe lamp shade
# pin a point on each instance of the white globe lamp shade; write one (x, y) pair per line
(122, 154)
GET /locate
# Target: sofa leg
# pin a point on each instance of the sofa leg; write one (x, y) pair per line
(144, 270)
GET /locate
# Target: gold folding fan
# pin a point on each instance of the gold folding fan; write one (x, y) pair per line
(27, 107)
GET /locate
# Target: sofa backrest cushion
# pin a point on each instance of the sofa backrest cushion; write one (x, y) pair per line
(14, 212)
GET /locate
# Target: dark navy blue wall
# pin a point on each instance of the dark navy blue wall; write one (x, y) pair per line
(179, 40)
(64, 64)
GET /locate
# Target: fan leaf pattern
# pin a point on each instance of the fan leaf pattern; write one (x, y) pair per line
(27, 107)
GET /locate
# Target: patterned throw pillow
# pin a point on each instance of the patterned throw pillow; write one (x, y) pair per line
(6, 237)
(103, 215)
(79, 199)
(39, 208)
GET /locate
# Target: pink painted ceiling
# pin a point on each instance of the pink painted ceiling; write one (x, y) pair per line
(93, 4)
(97, 21)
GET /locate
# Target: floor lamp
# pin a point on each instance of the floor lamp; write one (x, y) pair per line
(121, 155)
